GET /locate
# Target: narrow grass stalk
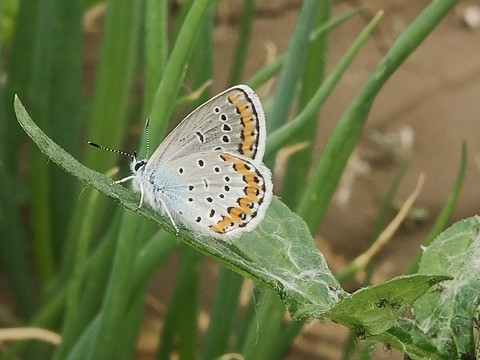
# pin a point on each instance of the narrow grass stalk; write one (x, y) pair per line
(19, 71)
(189, 305)
(340, 145)
(296, 173)
(40, 184)
(72, 317)
(182, 310)
(115, 303)
(264, 327)
(446, 213)
(222, 315)
(293, 66)
(242, 43)
(126, 343)
(270, 70)
(287, 132)
(156, 46)
(167, 91)
(66, 110)
(110, 103)
(152, 255)
(242, 333)
(13, 248)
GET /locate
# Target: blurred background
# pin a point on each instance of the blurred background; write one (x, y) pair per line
(427, 109)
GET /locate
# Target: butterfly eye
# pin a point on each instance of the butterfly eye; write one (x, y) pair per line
(139, 165)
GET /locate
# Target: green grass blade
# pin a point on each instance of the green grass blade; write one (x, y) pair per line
(126, 344)
(293, 66)
(19, 71)
(152, 255)
(167, 91)
(340, 145)
(40, 188)
(13, 247)
(287, 132)
(189, 282)
(156, 47)
(244, 33)
(115, 302)
(182, 310)
(109, 108)
(65, 108)
(114, 81)
(76, 317)
(270, 70)
(313, 74)
(265, 325)
(222, 316)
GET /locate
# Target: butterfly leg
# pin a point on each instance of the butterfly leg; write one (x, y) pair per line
(141, 196)
(124, 179)
(169, 216)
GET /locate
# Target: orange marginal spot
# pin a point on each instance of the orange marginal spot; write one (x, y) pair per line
(251, 193)
(239, 165)
(241, 168)
(235, 214)
(222, 226)
(248, 119)
(245, 205)
(252, 180)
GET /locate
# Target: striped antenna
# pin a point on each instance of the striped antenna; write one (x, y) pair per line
(133, 156)
(147, 139)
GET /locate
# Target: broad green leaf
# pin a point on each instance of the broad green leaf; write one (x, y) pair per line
(407, 337)
(374, 310)
(446, 313)
(443, 319)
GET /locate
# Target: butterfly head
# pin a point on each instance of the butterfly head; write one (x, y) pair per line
(137, 164)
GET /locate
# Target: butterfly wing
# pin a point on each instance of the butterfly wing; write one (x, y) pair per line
(215, 193)
(231, 122)
(208, 172)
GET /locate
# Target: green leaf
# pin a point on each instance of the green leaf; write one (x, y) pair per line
(374, 310)
(280, 252)
(446, 312)
(442, 327)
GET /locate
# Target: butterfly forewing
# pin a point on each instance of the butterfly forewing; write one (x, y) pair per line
(232, 122)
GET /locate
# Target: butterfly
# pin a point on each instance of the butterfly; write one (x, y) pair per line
(208, 173)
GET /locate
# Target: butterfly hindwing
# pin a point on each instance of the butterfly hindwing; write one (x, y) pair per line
(220, 193)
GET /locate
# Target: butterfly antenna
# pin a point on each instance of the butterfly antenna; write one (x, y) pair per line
(147, 137)
(133, 156)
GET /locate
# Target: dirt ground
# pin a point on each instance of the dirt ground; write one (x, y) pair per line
(427, 108)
